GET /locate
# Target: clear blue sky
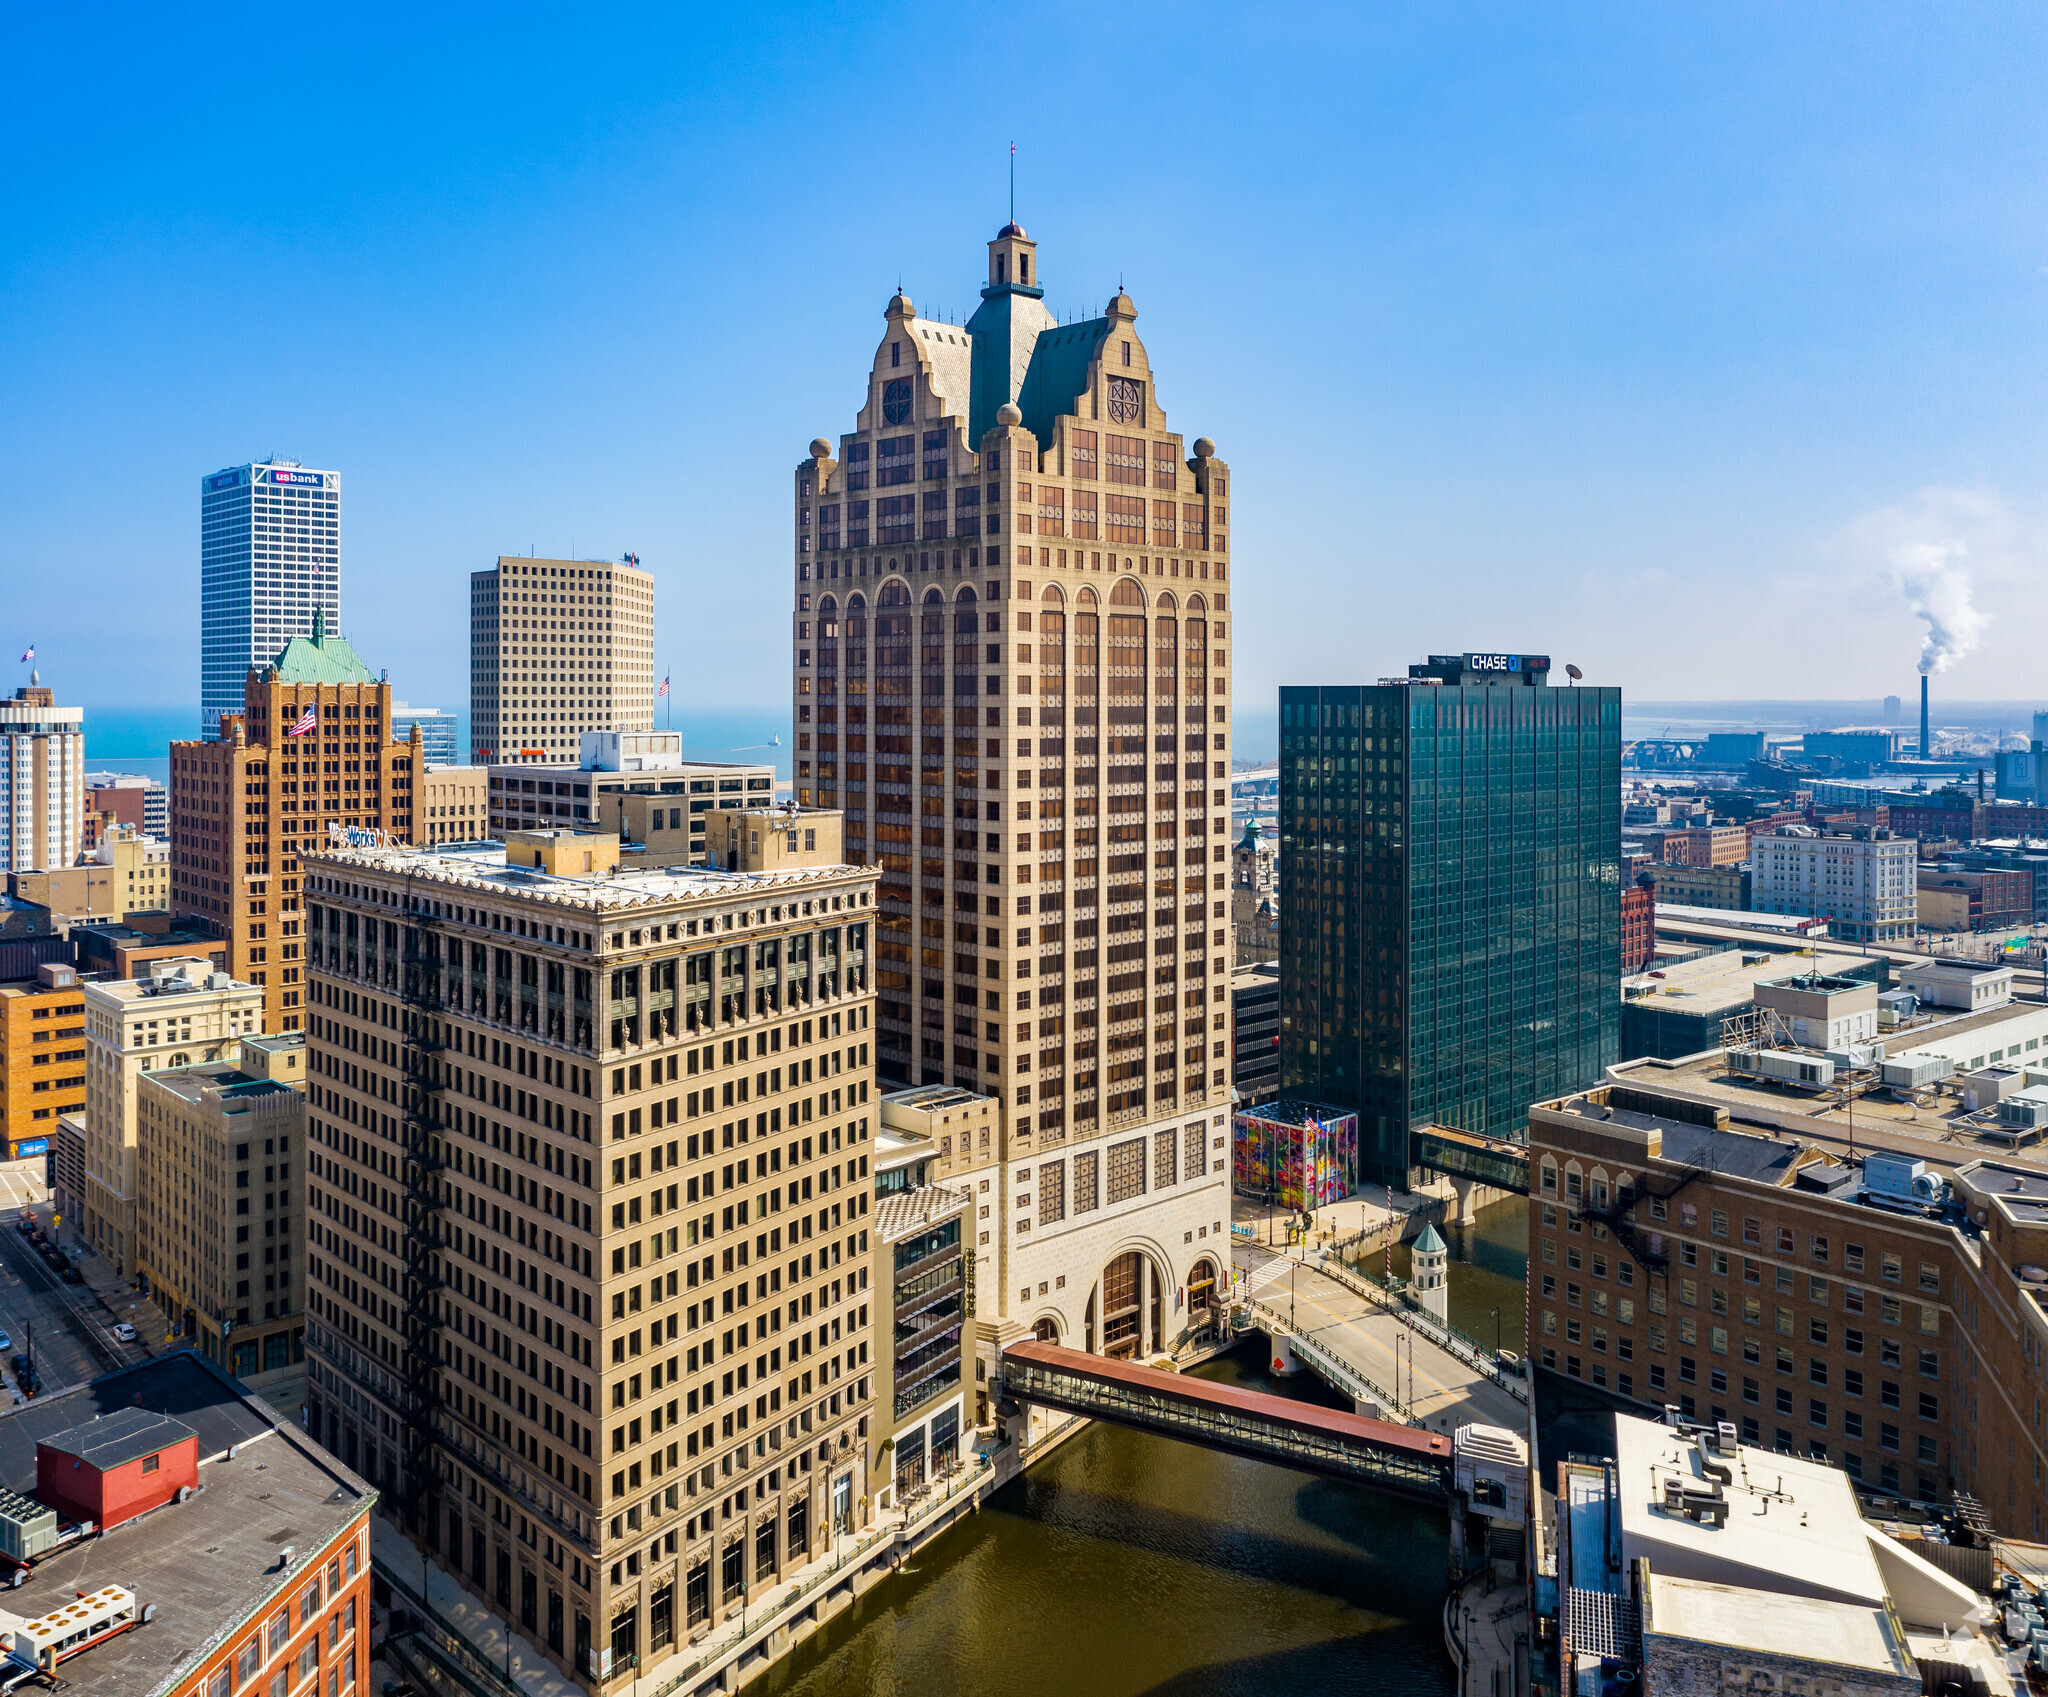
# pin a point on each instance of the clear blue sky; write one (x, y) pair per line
(1663, 340)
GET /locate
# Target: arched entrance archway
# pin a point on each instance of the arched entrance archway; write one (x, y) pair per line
(1203, 1294)
(1124, 1310)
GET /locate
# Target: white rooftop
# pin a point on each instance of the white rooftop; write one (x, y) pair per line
(1793, 1528)
(1857, 1635)
(482, 868)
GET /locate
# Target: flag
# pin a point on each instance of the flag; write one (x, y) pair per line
(29, 655)
(308, 720)
(658, 694)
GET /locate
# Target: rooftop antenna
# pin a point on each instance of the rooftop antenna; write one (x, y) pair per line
(1013, 182)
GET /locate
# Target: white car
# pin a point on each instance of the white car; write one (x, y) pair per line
(124, 1331)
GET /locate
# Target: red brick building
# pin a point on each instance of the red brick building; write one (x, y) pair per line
(1638, 926)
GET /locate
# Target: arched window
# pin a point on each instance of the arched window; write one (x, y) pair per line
(1126, 594)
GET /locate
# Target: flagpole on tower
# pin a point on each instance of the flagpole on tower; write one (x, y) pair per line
(1013, 182)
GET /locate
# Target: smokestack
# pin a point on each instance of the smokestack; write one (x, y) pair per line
(1924, 753)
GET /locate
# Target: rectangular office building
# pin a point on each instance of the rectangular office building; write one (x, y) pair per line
(1450, 883)
(269, 559)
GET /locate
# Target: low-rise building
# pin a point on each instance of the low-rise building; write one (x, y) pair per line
(1959, 898)
(1689, 1005)
(1863, 882)
(128, 949)
(1255, 1032)
(1964, 985)
(924, 1286)
(1112, 1244)
(42, 1058)
(1725, 886)
(124, 873)
(635, 784)
(452, 805)
(184, 1013)
(1734, 1246)
(1689, 1560)
(257, 1580)
(220, 1233)
(1704, 845)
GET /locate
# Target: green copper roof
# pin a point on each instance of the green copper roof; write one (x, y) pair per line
(1429, 1243)
(321, 659)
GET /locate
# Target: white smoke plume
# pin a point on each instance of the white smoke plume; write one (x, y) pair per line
(1931, 547)
(1935, 579)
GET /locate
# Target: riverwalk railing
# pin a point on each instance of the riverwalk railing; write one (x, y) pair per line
(1446, 1337)
(1345, 1375)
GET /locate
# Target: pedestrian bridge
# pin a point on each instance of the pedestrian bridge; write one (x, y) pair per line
(1403, 1460)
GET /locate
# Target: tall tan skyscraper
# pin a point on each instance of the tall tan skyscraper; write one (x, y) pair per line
(1011, 671)
(589, 1261)
(557, 648)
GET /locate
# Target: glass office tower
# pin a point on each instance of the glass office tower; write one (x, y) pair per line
(1450, 897)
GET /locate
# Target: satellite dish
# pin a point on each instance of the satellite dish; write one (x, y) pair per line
(1574, 673)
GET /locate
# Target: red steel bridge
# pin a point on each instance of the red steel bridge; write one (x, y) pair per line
(1406, 1461)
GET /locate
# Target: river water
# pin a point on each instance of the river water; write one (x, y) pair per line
(1125, 1564)
(1489, 1260)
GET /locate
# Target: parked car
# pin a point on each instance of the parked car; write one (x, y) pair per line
(6, 1343)
(71, 1275)
(122, 1330)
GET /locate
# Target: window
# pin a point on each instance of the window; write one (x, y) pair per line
(1052, 1192)
(1165, 468)
(1785, 1240)
(1816, 1412)
(1126, 1170)
(1085, 1166)
(1930, 1276)
(1817, 1248)
(1126, 518)
(1752, 1231)
(1930, 1364)
(1930, 1406)
(1719, 1225)
(1891, 1269)
(1081, 454)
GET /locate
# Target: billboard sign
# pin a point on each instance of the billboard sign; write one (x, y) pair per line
(223, 480)
(285, 474)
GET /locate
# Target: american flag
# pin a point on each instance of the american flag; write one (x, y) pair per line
(29, 655)
(307, 721)
(658, 694)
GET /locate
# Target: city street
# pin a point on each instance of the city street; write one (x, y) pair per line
(70, 1327)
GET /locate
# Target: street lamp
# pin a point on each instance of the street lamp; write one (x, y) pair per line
(1496, 1332)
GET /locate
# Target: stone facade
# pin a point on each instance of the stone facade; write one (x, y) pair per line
(557, 648)
(1011, 653)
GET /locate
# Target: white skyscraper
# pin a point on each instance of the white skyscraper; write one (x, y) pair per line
(42, 772)
(269, 557)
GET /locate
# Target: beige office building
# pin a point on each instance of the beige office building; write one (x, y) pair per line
(182, 1014)
(123, 874)
(590, 1212)
(557, 648)
(1011, 671)
(220, 1161)
(453, 805)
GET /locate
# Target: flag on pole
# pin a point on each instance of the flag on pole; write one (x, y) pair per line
(658, 694)
(307, 721)
(29, 654)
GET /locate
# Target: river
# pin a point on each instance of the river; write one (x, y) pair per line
(1488, 1263)
(1127, 1564)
